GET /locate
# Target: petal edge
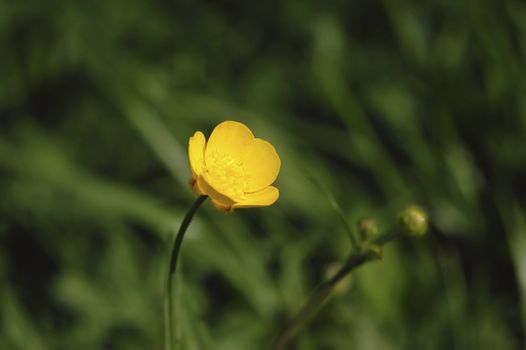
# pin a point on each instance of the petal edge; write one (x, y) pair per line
(263, 198)
(262, 164)
(196, 153)
(230, 138)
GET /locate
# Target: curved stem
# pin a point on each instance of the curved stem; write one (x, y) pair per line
(336, 207)
(172, 267)
(320, 293)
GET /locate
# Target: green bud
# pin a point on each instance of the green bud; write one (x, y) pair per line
(414, 221)
(367, 228)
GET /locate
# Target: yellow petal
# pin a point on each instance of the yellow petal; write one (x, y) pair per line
(261, 164)
(261, 198)
(228, 138)
(194, 184)
(213, 193)
(196, 153)
(221, 207)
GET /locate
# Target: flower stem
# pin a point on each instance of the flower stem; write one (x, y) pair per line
(172, 267)
(322, 291)
(336, 207)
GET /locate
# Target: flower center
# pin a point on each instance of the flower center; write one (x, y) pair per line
(226, 175)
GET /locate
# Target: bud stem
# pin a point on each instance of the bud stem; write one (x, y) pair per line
(389, 236)
(357, 258)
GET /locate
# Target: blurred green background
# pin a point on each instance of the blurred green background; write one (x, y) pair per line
(387, 102)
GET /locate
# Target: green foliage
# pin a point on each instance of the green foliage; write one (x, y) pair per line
(387, 102)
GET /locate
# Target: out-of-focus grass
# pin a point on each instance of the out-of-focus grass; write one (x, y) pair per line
(386, 102)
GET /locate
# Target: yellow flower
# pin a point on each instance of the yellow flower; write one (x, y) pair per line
(235, 169)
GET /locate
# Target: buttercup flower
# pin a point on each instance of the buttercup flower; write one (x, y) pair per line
(235, 169)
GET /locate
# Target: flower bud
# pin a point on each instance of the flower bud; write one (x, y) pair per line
(367, 228)
(414, 221)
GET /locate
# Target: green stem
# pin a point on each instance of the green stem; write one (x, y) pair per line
(320, 293)
(336, 207)
(172, 267)
(389, 236)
